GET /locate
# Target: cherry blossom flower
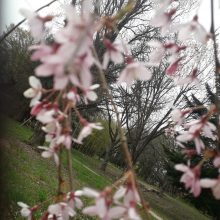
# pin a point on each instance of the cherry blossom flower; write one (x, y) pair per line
(113, 53)
(61, 211)
(46, 116)
(89, 93)
(36, 23)
(102, 206)
(76, 25)
(41, 50)
(87, 130)
(25, 210)
(178, 115)
(73, 200)
(130, 200)
(134, 70)
(159, 51)
(50, 151)
(65, 139)
(193, 28)
(203, 125)
(173, 67)
(162, 19)
(73, 96)
(35, 92)
(53, 129)
(79, 69)
(190, 178)
(214, 184)
(195, 128)
(192, 135)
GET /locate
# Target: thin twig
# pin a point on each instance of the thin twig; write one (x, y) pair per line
(123, 139)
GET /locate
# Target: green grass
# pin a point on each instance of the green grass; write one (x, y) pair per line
(32, 179)
(14, 129)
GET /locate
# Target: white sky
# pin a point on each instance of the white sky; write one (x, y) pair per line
(10, 14)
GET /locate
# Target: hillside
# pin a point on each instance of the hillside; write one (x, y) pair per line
(29, 178)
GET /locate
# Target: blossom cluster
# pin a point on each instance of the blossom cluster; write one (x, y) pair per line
(122, 204)
(69, 61)
(194, 130)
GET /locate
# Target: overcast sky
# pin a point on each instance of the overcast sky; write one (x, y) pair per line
(10, 12)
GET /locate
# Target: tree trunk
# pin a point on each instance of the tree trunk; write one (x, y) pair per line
(105, 161)
(38, 137)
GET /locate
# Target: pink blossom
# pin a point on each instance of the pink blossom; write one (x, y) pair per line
(77, 25)
(102, 206)
(36, 23)
(130, 200)
(46, 116)
(134, 70)
(78, 70)
(25, 210)
(73, 199)
(173, 67)
(178, 115)
(89, 93)
(113, 53)
(162, 19)
(64, 139)
(87, 130)
(50, 151)
(190, 178)
(193, 28)
(192, 135)
(35, 92)
(73, 96)
(159, 51)
(61, 211)
(53, 130)
(195, 128)
(40, 51)
(214, 184)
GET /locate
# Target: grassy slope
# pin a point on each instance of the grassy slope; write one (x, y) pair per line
(32, 179)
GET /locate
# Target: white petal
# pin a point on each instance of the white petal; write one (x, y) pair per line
(91, 210)
(46, 154)
(119, 193)
(30, 93)
(101, 207)
(95, 86)
(90, 192)
(56, 159)
(27, 13)
(116, 212)
(184, 137)
(116, 57)
(60, 82)
(35, 82)
(23, 205)
(79, 203)
(182, 167)
(92, 96)
(207, 183)
(25, 212)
